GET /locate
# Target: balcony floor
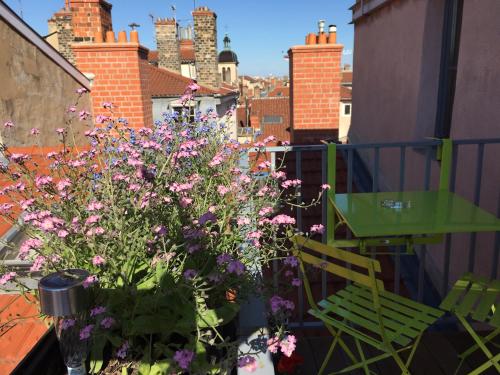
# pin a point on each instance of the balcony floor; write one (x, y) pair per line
(436, 355)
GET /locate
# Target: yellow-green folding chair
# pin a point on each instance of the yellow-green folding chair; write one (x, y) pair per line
(477, 298)
(363, 310)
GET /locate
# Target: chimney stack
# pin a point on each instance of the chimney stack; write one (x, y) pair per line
(167, 44)
(205, 47)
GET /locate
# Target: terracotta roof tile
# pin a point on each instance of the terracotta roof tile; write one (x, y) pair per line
(346, 77)
(345, 93)
(20, 330)
(280, 91)
(260, 107)
(166, 83)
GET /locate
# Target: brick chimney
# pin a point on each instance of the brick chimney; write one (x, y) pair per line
(121, 76)
(167, 44)
(79, 21)
(315, 76)
(205, 46)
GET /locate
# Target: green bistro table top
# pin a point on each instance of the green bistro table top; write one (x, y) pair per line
(430, 212)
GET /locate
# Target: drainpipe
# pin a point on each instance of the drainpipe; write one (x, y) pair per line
(450, 46)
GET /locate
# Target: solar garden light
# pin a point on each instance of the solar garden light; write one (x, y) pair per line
(63, 297)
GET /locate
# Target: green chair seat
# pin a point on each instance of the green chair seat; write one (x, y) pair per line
(351, 310)
(477, 298)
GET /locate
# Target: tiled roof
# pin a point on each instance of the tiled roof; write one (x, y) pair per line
(153, 57)
(165, 83)
(260, 107)
(280, 91)
(20, 330)
(346, 77)
(345, 93)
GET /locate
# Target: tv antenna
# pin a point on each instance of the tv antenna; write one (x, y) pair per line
(21, 9)
(174, 9)
(152, 18)
(134, 25)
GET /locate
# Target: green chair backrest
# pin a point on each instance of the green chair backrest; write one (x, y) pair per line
(365, 275)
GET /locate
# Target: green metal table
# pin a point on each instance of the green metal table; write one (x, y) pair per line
(430, 215)
(422, 217)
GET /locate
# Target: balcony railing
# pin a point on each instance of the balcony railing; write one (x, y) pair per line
(364, 172)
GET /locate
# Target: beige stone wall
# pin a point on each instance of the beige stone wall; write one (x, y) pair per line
(35, 92)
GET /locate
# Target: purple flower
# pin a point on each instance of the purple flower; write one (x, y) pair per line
(291, 261)
(278, 303)
(207, 217)
(296, 282)
(183, 358)
(236, 267)
(107, 322)
(86, 331)
(67, 323)
(223, 258)
(97, 310)
(247, 363)
(160, 230)
(122, 351)
(190, 274)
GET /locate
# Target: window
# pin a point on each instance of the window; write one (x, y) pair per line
(190, 112)
(272, 119)
(347, 109)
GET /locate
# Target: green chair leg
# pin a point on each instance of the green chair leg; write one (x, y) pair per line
(485, 340)
(362, 356)
(330, 352)
(492, 360)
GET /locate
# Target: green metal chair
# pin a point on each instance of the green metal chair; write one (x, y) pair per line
(476, 298)
(363, 310)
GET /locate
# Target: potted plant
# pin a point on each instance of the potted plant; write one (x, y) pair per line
(169, 225)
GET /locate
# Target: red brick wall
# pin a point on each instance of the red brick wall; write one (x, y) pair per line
(315, 74)
(121, 77)
(89, 17)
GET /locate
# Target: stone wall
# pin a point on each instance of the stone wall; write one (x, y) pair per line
(167, 44)
(62, 22)
(205, 46)
(36, 92)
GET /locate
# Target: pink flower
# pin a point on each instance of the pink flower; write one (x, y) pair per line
(222, 190)
(83, 115)
(7, 277)
(288, 344)
(273, 344)
(8, 124)
(25, 204)
(216, 160)
(318, 228)
(107, 105)
(86, 331)
(95, 206)
(265, 211)
(291, 183)
(90, 280)
(81, 90)
(35, 131)
(63, 184)
(5, 208)
(97, 310)
(92, 219)
(325, 187)
(62, 233)
(193, 86)
(72, 109)
(38, 263)
(28, 245)
(243, 221)
(60, 130)
(248, 363)
(19, 158)
(41, 181)
(283, 219)
(107, 322)
(98, 260)
(184, 202)
(183, 358)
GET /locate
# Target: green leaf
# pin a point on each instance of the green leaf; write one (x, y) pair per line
(217, 317)
(149, 324)
(124, 370)
(96, 354)
(160, 368)
(144, 368)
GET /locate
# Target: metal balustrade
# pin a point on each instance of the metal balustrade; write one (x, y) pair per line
(363, 166)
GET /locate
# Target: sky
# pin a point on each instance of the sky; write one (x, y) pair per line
(261, 31)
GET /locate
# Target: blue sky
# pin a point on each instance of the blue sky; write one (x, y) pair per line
(261, 30)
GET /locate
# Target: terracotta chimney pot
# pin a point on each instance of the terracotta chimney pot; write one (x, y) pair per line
(322, 38)
(98, 37)
(122, 37)
(134, 36)
(311, 38)
(332, 38)
(110, 36)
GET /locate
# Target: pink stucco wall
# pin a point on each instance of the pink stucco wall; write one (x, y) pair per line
(397, 52)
